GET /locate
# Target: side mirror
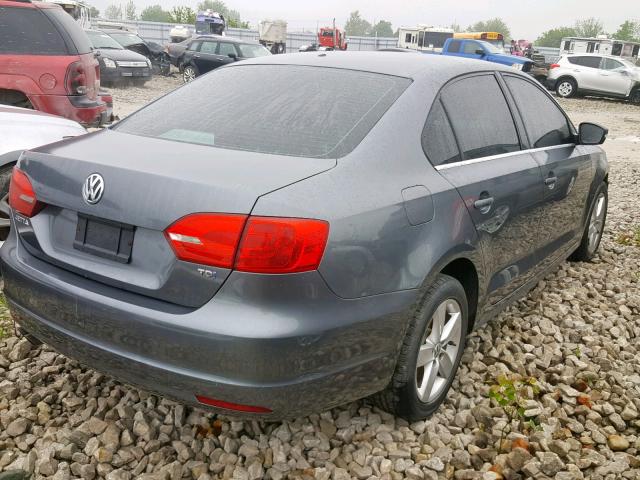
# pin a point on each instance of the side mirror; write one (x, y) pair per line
(479, 51)
(591, 134)
(233, 56)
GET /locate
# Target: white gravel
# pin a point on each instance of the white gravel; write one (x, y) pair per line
(576, 334)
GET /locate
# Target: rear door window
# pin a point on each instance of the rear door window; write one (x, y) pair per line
(454, 46)
(209, 47)
(545, 124)
(28, 31)
(438, 141)
(280, 109)
(480, 117)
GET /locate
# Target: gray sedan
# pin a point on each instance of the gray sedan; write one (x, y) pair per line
(294, 232)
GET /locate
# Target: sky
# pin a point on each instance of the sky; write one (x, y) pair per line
(526, 18)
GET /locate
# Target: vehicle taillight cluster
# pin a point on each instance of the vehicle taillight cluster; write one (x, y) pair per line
(554, 65)
(76, 79)
(22, 197)
(250, 243)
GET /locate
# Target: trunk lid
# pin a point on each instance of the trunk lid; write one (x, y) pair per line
(148, 184)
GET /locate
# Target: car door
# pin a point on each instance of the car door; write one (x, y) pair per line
(225, 49)
(500, 185)
(206, 58)
(585, 69)
(566, 168)
(613, 77)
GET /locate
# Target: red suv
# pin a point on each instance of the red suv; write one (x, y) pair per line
(47, 63)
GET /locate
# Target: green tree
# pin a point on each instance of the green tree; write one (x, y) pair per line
(589, 27)
(181, 14)
(553, 37)
(629, 30)
(155, 13)
(113, 12)
(130, 11)
(382, 29)
(491, 25)
(357, 26)
(94, 12)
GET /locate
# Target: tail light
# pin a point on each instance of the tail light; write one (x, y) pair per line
(76, 79)
(250, 243)
(22, 198)
(554, 65)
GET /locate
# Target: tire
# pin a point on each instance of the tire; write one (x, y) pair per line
(592, 234)
(566, 87)
(635, 96)
(5, 180)
(402, 396)
(189, 73)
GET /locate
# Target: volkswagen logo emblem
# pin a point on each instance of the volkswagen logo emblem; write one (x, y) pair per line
(93, 188)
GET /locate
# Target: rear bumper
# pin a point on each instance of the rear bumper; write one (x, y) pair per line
(90, 113)
(289, 345)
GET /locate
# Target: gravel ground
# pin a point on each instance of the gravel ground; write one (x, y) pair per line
(574, 340)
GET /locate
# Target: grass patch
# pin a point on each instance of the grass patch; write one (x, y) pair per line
(630, 238)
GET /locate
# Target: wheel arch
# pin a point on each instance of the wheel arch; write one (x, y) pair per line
(566, 76)
(465, 272)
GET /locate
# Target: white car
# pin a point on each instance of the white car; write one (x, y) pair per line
(23, 129)
(600, 75)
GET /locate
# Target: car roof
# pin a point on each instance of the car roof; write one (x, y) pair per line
(116, 30)
(28, 4)
(223, 38)
(388, 63)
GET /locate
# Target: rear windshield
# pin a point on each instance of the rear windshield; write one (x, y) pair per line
(28, 31)
(280, 109)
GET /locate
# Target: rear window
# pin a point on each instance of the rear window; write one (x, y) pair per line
(28, 31)
(279, 109)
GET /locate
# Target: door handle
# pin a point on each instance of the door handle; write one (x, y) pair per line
(551, 182)
(196, 56)
(483, 204)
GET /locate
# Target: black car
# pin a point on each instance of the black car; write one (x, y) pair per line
(116, 62)
(152, 50)
(204, 54)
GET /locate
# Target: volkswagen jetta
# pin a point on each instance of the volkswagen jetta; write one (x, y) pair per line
(293, 232)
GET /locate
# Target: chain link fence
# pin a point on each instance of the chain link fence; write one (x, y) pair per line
(159, 33)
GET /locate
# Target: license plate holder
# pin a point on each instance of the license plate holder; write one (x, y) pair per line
(104, 238)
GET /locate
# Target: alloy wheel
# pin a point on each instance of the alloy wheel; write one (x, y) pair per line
(596, 222)
(189, 74)
(439, 350)
(565, 89)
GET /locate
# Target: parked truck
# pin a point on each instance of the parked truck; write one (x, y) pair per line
(273, 35)
(482, 50)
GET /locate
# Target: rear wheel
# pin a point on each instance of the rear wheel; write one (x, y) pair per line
(430, 353)
(595, 226)
(15, 99)
(189, 73)
(566, 87)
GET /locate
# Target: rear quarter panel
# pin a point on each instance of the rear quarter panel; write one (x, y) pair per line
(373, 248)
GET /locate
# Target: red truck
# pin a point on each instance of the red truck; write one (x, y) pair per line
(47, 63)
(332, 38)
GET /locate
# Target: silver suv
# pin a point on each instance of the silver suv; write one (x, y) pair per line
(600, 75)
